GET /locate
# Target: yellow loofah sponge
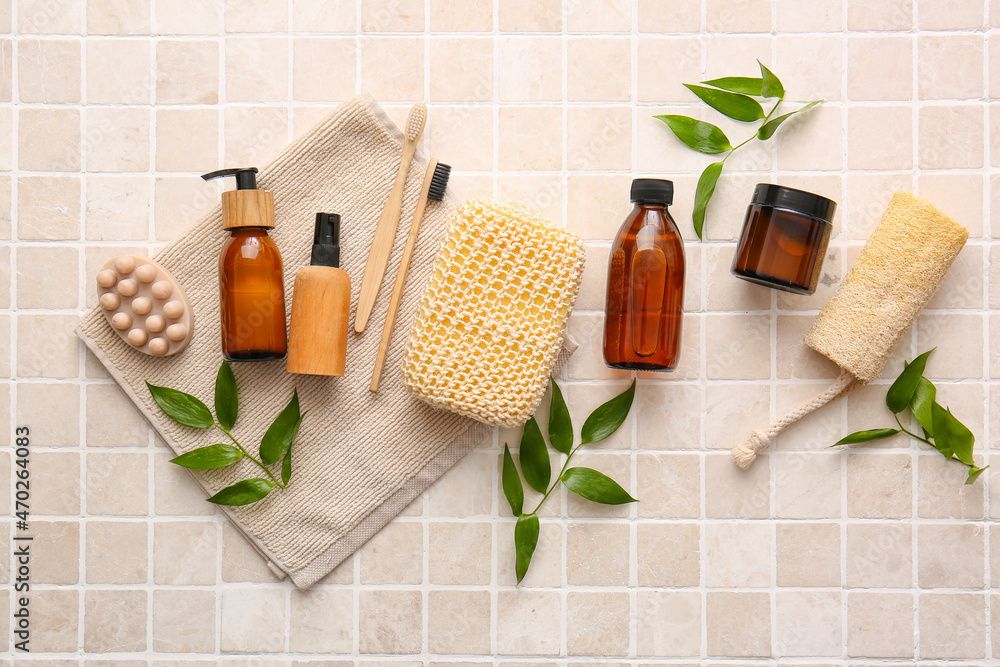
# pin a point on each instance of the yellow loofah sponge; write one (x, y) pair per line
(898, 272)
(493, 317)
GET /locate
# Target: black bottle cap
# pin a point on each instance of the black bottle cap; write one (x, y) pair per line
(656, 191)
(326, 240)
(799, 201)
(246, 177)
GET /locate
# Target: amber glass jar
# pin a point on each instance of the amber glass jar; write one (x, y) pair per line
(645, 300)
(252, 297)
(784, 238)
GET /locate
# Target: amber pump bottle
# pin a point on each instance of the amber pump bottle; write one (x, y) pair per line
(251, 284)
(321, 305)
(642, 328)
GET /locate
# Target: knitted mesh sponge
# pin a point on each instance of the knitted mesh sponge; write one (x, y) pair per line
(493, 316)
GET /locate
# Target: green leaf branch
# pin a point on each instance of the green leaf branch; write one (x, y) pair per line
(534, 458)
(731, 96)
(941, 429)
(275, 446)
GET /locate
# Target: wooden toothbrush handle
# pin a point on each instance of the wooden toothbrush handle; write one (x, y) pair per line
(404, 265)
(385, 234)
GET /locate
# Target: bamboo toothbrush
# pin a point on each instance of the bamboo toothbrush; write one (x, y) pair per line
(385, 232)
(435, 181)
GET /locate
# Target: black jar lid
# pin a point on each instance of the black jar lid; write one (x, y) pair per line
(799, 201)
(656, 191)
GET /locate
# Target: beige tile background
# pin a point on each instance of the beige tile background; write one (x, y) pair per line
(109, 110)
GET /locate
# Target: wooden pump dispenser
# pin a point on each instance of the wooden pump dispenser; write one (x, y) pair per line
(251, 281)
(321, 305)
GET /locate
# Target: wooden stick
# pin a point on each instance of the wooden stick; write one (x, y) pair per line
(385, 232)
(404, 265)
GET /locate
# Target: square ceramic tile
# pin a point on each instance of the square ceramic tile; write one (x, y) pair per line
(965, 611)
(598, 554)
(880, 625)
(669, 623)
(669, 554)
(183, 621)
(739, 624)
(808, 554)
(597, 623)
(950, 556)
(460, 552)
(116, 552)
(264, 631)
(808, 623)
(185, 552)
(118, 17)
(118, 71)
(114, 620)
(526, 622)
(459, 622)
(321, 621)
(49, 70)
(187, 71)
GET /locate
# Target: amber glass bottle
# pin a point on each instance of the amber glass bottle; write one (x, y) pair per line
(251, 284)
(253, 297)
(645, 302)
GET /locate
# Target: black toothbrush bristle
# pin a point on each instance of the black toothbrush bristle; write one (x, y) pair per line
(439, 181)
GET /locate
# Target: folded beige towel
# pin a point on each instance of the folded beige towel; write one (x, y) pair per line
(900, 268)
(360, 457)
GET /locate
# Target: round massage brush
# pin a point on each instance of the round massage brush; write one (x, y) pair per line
(385, 232)
(145, 305)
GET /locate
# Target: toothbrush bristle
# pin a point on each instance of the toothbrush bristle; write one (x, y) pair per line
(439, 181)
(415, 122)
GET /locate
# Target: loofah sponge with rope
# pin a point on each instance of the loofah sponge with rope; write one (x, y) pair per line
(493, 316)
(900, 268)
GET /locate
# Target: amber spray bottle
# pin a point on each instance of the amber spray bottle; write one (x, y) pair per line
(645, 302)
(321, 305)
(251, 284)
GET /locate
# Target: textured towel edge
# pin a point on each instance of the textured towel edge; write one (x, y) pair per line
(97, 351)
(325, 563)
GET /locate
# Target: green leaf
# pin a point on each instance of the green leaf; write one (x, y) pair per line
(512, 488)
(901, 392)
(606, 419)
(560, 424)
(768, 129)
(183, 408)
(243, 493)
(281, 432)
(286, 466)
(209, 457)
(703, 194)
(226, 397)
(738, 84)
(736, 106)
(697, 134)
(974, 473)
(867, 436)
(771, 86)
(942, 433)
(922, 403)
(525, 539)
(953, 434)
(534, 457)
(595, 486)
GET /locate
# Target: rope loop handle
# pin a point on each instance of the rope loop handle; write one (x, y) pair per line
(744, 455)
